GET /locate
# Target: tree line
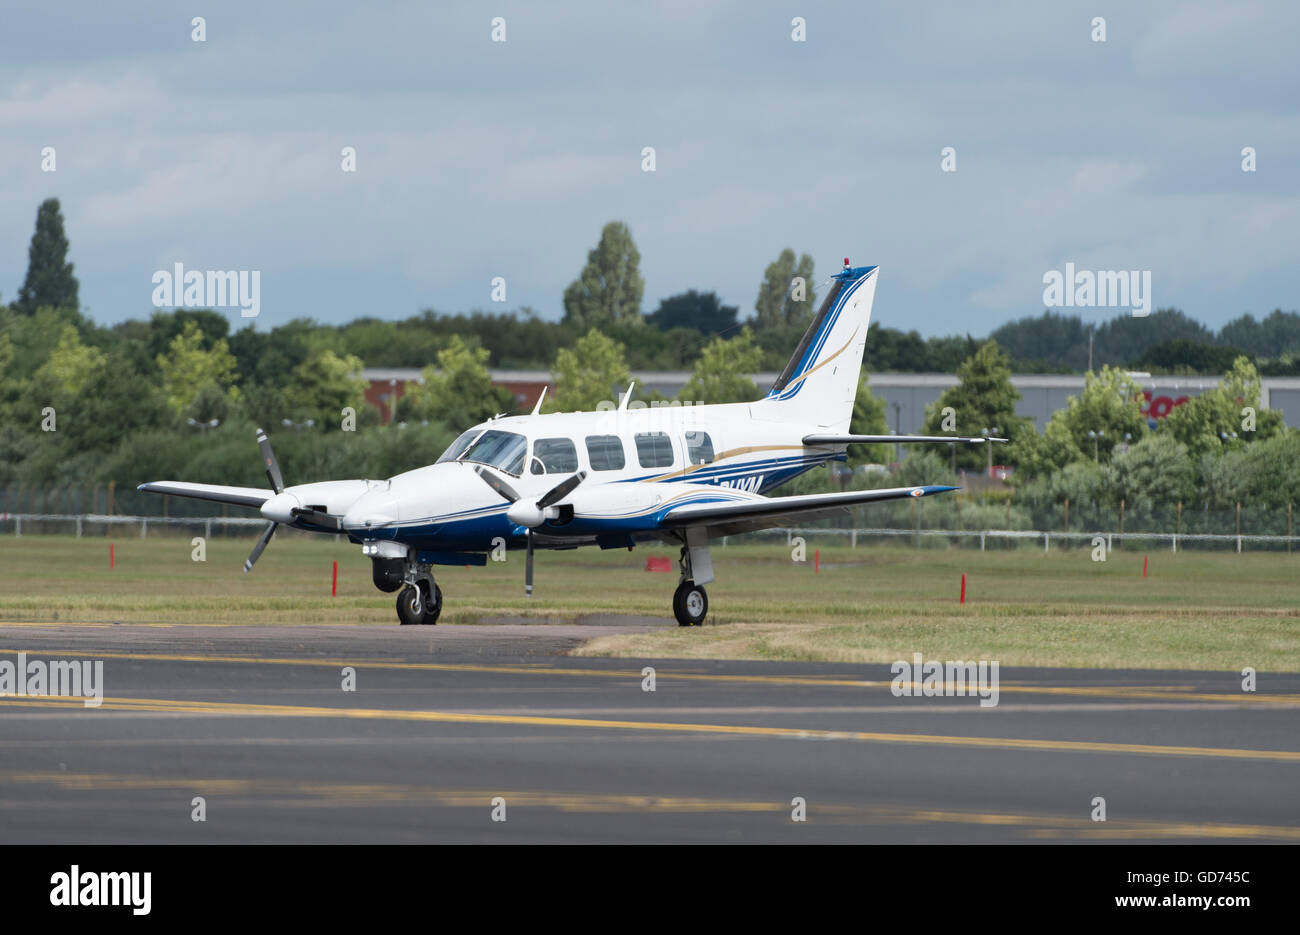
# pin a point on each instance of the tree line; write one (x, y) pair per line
(129, 402)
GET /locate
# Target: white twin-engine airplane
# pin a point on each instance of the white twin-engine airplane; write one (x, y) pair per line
(679, 475)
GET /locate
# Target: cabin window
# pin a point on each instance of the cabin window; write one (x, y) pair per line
(605, 452)
(458, 447)
(699, 448)
(554, 456)
(502, 450)
(654, 449)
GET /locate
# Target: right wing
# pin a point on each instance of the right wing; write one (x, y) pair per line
(236, 496)
(891, 439)
(760, 512)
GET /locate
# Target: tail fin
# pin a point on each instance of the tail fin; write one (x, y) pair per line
(820, 382)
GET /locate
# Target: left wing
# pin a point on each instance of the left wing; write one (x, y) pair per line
(760, 512)
(218, 493)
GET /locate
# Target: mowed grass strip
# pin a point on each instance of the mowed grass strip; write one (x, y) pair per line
(1197, 610)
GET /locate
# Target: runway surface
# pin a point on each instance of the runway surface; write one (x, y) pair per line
(449, 726)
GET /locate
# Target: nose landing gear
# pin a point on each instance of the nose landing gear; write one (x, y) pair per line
(420, 600)
(418, 605)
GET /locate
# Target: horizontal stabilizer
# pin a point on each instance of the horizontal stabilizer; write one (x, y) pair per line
(890, 439)
(236, 496)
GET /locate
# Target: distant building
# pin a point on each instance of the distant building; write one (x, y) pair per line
(905, 394)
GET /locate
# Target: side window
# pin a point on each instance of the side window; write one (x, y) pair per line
(654, 449)
(605, 452)
(699, 448)
(554, 456)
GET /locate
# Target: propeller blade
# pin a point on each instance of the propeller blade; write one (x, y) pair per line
(528, 564)
(560, 491)
(501, 487)
(318, 518)
(257, 549)
(268, 459)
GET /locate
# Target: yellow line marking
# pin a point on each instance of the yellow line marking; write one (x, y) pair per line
(168, 706)
(1163, 692)
(383, 794)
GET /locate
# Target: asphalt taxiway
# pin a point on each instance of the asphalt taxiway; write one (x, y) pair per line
(449, 728)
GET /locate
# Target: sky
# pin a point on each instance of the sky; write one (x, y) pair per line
(477, 159)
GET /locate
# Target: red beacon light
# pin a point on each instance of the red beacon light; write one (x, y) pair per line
(846, 262)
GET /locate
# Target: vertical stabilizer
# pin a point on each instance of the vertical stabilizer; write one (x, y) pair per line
(820, 382)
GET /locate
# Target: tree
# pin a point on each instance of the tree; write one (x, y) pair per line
(702, 311)
(587, 374)
(1203, 421)
(458, 391)
(610, 286)
(1278, 333)
(777, 302)
(721, 373)
(323, 385)
(869, 418)
(984, 399)
(1110, 406)
(1184, 356)
(188, 367)
(69, 366)
(49, 274)
(1156, 472)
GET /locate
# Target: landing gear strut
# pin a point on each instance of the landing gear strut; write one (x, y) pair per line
(420, 602)
(691, 601)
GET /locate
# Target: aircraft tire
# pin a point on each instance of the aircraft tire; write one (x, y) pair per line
(429, 609)
(690, 604)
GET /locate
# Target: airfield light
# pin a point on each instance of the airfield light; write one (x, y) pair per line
(1096, 437)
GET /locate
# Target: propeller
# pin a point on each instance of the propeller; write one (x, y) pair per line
(268, 460)
(282, 507)
(530, 515)
(257, 549)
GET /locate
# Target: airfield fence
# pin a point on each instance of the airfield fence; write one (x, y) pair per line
(96, 524)
(960, 521)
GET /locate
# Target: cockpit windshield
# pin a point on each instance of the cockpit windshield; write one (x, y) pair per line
(458, 447)
(502, 450)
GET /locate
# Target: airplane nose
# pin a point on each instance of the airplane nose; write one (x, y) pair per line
(279, 509)
(376, 508)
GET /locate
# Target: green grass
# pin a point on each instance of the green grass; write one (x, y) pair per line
(1203, 610)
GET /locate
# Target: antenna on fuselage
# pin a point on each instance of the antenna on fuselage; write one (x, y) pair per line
(538, 407)
(622, 403)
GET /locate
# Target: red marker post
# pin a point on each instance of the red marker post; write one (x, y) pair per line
(111, 561)
(817, 561)
(963, 587)
(334, 584)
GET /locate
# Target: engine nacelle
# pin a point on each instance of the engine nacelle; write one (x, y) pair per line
(387, 573)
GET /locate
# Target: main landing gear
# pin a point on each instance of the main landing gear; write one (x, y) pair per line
(690, 604)
(691, 601)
